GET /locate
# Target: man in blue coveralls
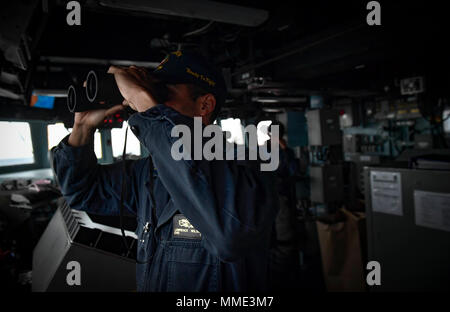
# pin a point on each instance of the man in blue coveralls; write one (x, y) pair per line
(228, 206)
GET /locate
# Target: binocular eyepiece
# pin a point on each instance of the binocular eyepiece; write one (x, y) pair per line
(101, 92)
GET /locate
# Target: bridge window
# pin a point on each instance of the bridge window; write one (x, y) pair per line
(118, 139)
(234, 126)
(57, 132)
(16, 144)
(261, 132)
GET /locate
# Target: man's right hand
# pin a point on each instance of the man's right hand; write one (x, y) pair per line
(85, 124)
(136, 86)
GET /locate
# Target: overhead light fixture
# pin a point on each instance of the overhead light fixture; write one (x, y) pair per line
(265, 100)
(272, 110)
(96, 61)
(279, 99)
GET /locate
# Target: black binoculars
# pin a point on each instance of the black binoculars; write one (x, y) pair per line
(101, 92)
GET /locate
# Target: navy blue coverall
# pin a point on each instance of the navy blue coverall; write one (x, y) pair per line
(231, 203)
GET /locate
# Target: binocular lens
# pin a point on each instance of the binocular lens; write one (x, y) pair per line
(91, 86)
(71, 98)
(77, 101)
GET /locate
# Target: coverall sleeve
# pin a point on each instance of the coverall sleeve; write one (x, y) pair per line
(231, 205)
(91, 187)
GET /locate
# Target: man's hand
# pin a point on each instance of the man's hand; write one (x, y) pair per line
(135, 85)
(86, 122)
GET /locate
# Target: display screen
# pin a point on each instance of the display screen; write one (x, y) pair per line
(42, 101)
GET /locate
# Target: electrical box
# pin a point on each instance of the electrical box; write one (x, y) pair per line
(323, 127)
(326, 183)
(71, 237)
(408, 227)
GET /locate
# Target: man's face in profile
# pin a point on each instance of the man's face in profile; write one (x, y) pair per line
(181, 100)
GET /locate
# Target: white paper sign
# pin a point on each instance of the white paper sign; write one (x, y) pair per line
(386, 190)
(432, 210)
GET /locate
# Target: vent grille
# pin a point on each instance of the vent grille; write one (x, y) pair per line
(70, 220)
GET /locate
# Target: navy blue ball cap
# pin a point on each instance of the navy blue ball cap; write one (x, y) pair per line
(183, 67)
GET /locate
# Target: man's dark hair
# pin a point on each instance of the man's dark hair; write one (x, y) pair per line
(196, 92)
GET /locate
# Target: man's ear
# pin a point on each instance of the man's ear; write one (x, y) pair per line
(207, 104)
